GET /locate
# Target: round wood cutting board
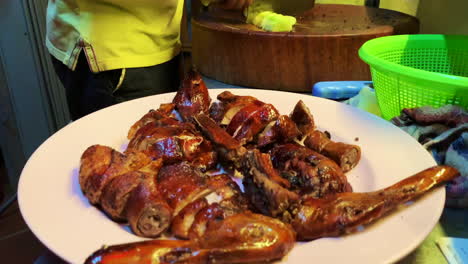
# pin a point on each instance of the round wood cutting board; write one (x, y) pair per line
(322, 47)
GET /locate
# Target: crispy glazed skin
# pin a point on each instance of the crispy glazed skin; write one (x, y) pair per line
(267, 191)
(244, 116)
(347, 156)
(228, 105)
(241, 238)
(161, 117)
(308, 171)
(184, 220)
(115, 194)
(164, 142)
(147, 212)
(227, 199)
(230, 150)
(303, 118)
(180, 184)
(174, 144)
(192, 97)
(95, 160)
(231, 199)
(344, 212)
(281, 130)
(247, 238)
(251, 120)
(204, 218)
(100, 164)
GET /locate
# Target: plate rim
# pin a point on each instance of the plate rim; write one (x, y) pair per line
(213, 91)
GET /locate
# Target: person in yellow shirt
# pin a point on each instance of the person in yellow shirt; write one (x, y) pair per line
(110, 51)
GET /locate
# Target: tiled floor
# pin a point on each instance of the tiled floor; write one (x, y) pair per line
(18, 245)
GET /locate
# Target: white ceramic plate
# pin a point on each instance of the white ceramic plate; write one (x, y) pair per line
(61, 217)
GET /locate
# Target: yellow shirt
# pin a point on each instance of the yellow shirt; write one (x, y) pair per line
(114, 34)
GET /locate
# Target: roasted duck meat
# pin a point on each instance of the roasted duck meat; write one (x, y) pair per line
(161, 117)
(343, 213)
(148, 213)
(210, 210)
(244, 116)
(227, 107)
(246, 237)
(345, 155)
(180, 184)
(247, 119)
(240, 238)
(293, 186)
(100, 164)
(309, 172)
(304, 171)
(192, 97)
(116, 192)
(265, 189)
(332, 213)
(282, 130)
(124, 188)
(160, 135)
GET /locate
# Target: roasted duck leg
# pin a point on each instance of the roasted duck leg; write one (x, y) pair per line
(344, 212)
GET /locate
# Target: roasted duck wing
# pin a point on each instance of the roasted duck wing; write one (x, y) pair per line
(343, 212)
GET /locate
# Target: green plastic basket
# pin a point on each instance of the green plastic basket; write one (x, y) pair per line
(417, 70)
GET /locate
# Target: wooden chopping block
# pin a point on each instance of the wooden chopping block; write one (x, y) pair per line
(323, 46)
